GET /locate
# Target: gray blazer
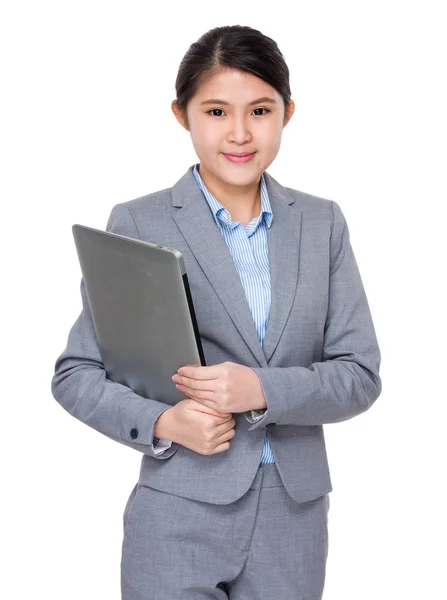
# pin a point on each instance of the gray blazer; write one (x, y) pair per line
(319, 362)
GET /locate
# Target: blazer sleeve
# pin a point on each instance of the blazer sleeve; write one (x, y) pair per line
(81, 386)
(346, 382)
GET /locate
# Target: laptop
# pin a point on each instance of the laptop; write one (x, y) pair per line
(142, 310)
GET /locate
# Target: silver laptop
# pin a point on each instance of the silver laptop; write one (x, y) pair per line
(142, 311)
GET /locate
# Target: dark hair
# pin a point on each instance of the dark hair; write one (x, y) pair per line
(236, 47)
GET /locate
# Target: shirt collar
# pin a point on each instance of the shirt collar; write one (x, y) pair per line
(221, 214)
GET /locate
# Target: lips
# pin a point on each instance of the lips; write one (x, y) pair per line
(238, 155)
(240, 158)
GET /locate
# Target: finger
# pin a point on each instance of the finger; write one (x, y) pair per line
(212, 372)
(195, 387)
(212, 411)
(209, 404)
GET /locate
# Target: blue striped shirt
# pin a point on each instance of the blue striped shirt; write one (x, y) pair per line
(249, 250)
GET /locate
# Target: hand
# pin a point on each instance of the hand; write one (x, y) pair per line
(197, 427)
(227, 387)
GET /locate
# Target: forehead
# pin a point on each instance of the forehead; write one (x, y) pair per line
(235, 87)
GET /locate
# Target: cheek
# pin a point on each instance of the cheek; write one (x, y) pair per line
(273, 135)
(205, 136)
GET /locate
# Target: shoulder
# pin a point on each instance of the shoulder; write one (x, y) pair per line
(316, 207)
(156, 199)
(143, 207)
(321, 211)
(128, 217)
(310, 202)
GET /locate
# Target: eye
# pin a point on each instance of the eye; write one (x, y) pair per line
(219, 109)
(266, 109)
(213, 110)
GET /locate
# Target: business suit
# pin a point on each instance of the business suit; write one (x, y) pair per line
(319, 362)
(248, 246)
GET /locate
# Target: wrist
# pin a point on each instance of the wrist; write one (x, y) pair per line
(261, 402)
(162, 424)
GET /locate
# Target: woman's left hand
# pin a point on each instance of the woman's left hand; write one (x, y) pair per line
(227, 387)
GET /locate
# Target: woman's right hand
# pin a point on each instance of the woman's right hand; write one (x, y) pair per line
(196, 426)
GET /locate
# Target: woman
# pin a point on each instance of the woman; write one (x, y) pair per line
(233, 493)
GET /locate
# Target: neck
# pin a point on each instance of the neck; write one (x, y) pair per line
(243, 202)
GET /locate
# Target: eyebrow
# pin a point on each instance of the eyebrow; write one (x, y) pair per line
(223, 102)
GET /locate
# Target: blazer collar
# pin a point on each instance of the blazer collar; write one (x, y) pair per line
(196, 223)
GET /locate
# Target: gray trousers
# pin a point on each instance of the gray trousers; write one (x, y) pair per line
(264, 546)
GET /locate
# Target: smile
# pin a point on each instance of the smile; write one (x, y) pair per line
(239, 159)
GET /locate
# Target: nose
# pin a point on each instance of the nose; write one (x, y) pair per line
(239, 131)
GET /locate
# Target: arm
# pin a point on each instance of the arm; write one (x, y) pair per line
(346, 382)
(81, 386)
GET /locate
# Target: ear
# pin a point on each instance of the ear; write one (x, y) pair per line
(180, 115)
(289, 113)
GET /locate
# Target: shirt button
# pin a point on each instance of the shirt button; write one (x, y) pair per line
(133, 433)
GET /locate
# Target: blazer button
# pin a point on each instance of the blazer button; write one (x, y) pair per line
(133, 433)
(270, 424)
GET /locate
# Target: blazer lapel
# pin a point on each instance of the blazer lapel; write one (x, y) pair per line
(196, 223)
(283, 238)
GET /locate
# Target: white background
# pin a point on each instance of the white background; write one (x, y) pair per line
(86, 123)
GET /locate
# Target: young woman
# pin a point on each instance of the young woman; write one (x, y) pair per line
(233, 494)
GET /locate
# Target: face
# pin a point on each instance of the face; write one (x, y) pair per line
(228, 116)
